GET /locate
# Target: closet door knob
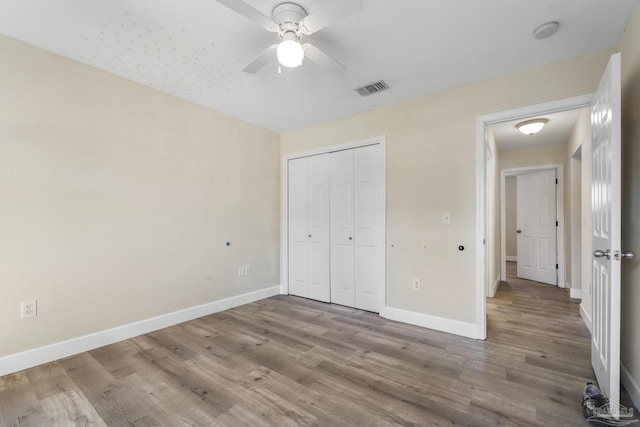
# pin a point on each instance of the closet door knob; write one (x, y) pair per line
(350, 238)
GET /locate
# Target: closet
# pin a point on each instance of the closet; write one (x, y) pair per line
(336, 227)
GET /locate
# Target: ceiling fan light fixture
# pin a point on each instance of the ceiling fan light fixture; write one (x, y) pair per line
(290, 53)
(531, 127)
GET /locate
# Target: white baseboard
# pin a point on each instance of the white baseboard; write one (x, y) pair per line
(585, 317)
(575, 293)
(469, 330)
(513, 258)
(494, 288)
(37, 356)
(383, 312)
(631, 385)
(284, 290)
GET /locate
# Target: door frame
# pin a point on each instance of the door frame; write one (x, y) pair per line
(284, 211)
(482, 123)
(560, 242)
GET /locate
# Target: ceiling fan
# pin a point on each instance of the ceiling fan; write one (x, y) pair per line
(291, 22)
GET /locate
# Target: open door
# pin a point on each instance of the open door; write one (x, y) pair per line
(536, 233)
(606, 230)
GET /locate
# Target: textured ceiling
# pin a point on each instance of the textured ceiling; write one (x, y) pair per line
(196, 49)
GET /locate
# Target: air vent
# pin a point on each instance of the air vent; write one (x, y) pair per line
(372, 88)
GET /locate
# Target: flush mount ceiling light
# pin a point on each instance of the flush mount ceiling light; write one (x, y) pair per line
(546, 30)
(533, 126)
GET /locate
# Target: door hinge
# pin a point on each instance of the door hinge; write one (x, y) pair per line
(556, 180)
(556, 223)
(556, 266)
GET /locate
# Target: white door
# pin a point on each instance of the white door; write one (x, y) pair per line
(357, 228)
(342, 229)
(309, 227)
(605, 202)
(536, 219)
(369, 215)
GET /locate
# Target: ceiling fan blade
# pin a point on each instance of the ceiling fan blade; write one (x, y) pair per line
(261, 60)
(249, 12)
(329, 14)
(320, 58)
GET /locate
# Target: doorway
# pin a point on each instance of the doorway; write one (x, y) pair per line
(508, 232)
(483, 138)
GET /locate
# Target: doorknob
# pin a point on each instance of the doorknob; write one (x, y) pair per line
(625, 255)
(309, 235)
(350, 238)
(598, 253)
(518, 231)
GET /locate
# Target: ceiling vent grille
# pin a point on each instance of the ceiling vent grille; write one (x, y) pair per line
(372, 88)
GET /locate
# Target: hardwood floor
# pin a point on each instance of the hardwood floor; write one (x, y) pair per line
(287, 361)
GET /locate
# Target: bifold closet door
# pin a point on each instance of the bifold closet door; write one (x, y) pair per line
(357, 227)
(342, 229)
(309, 274)
(369, 209)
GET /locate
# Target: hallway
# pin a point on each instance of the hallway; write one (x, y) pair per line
(542, 324)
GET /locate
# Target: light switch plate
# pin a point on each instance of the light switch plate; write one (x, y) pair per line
(446, 218)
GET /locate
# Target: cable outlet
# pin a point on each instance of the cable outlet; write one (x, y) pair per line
(416, 284)
(28, 309)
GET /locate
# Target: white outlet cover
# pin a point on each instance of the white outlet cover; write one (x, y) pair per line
(28, 309)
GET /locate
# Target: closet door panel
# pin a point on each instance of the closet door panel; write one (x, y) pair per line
(319, 233)
(298, 216)
(369, 227)
(342, 232)
(309, 227)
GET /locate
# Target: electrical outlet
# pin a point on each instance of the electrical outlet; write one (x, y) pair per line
(28, 309)
(247, 270)
(241, 271)
(416, 284)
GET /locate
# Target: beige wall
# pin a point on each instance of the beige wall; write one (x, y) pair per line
(537, 156)
(117, 201)
(511, 216)
(431, 167)
(630, 52)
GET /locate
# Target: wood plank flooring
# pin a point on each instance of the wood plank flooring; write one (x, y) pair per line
(287, 361)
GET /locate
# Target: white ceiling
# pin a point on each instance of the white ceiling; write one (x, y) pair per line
(556, 132)
(196, 49)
